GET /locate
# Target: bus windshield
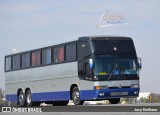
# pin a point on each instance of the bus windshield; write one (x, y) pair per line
(127, 64)
(105, 64)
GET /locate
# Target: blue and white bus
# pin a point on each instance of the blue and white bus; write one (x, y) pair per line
(90, 68)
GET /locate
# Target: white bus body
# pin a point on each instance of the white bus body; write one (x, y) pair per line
(55, 83)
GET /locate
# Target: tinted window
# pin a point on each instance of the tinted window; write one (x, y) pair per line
(81, 68)
(26, 60)
(88, 72)
(36, 58)
(104, 46)
(46, 56)
(8, 63)
(71, 52)
(16, 62)
(84, 70)
(58, 54)
(84, 49)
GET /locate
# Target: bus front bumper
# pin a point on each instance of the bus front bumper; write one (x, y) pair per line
(116, 93)
(109, 93)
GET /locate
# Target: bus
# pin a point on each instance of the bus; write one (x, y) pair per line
(88, 69)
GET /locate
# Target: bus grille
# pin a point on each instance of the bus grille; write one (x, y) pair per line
(123, 87)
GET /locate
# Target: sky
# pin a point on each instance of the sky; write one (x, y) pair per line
(30, 24)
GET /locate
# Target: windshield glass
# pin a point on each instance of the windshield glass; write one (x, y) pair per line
(127, 64)
(105, 64)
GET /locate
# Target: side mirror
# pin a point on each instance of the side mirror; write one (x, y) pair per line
(91, 64)
(139, 63)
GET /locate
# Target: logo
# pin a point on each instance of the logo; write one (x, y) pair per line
(111, 19)
(6, 109)
(21, 109)
(119, 86)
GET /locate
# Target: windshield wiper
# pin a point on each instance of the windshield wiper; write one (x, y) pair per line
(116, 67)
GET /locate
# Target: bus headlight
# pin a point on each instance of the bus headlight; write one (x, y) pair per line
(135, 86)
(101, 87)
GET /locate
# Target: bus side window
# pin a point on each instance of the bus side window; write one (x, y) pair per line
(25, 59)
(36, 58)
(61, 54)
(16, 62)
(83, 49)
(84, 71)
(88, 72)
(81, 72)
(71, 52)
(46, 56)
(58, 56)
(8, 63)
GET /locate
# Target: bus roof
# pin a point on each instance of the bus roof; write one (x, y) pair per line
(104, 38)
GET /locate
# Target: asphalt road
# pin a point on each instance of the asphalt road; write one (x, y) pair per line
(118, 109)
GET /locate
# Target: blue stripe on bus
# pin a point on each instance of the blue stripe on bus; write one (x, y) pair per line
(84, 94)
(12, 98)
(45, 96)
(51, 96)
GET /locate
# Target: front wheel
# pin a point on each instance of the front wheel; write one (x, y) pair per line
(76, 96)
(114, 101)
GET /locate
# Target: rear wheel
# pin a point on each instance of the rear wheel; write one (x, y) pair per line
(28, 98)
(114, 101)
(29, 101)
(76, 96)
(21, 99)
(60, 103)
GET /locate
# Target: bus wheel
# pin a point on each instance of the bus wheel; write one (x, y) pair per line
(28, 98)
(29, 102)
(21, 99)
(76, 96)
(60, 103)
(114, 101)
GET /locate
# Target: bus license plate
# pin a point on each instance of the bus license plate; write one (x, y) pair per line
(118, 93)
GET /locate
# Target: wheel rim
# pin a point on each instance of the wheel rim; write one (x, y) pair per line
(76, 96)
(21, 99)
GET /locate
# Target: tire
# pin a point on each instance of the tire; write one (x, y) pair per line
(114, 101)
(21, 99)
(29, 98)
(76, 96)
(60, 103)
(29, 101)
